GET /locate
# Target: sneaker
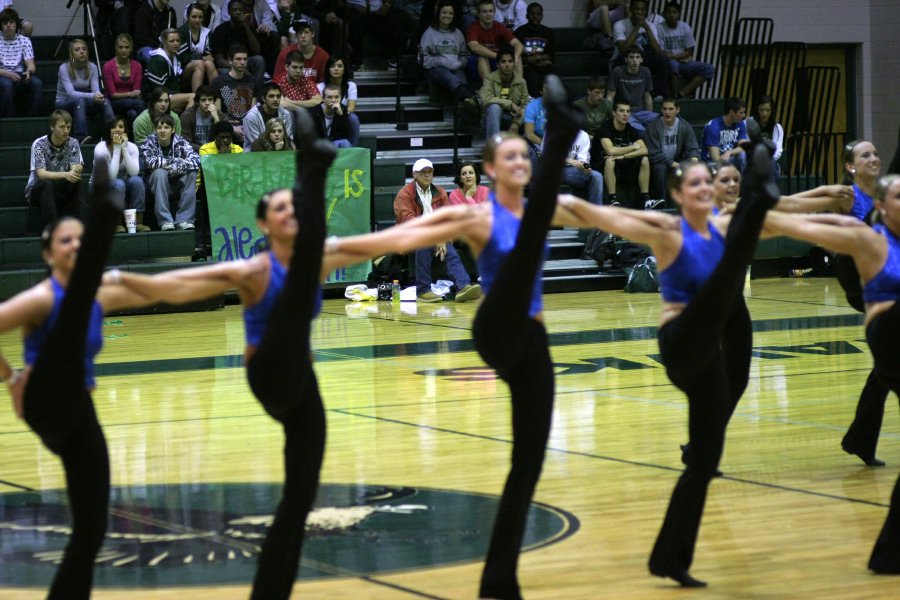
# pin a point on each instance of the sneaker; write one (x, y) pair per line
(429, 297)
(120, 229)
(167, 227)
(469, 292)
(392, 65)
(651, 204)
(185, 225)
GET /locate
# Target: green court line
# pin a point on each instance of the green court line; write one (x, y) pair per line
(591, 336)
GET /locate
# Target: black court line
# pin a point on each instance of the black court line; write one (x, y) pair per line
(400, 588)
(593, 336)
(624, 461)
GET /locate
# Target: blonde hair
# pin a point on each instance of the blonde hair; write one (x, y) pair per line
(71, 62)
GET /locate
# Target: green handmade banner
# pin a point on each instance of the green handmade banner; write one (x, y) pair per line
(235, 182)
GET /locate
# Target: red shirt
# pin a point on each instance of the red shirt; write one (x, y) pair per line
(313, 67)
(492, 38)
(302, 90)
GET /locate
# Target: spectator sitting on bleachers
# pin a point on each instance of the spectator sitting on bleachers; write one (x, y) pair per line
(330, 31)
(677, 41)
(54, 183)
(123, 161)
(336, 73)
(122, 80)
(236, 91)
(274, 138)
(164, 71)
(17, 68)
(470, 190)
(171, 170)
(158, 105)
(619, 151)
(632, 82)
(222, 142)
(260, 17)
(445, 54)
(578, 172)
(331, 119)
(422, 197)
(769, 127)
(78, 90)
(595, 106)
(539, 42)
(314, 57)
(724, 136)
(237, 32)
(377, 17)
(485, 37)
(639, 30)
(24, 26)
(212, 14)
(150, 19)
(603, 14)
(510, 14)
(670, 141)
(197, 120)
(198, 65)
(269, 107)
(298, 92)
(504, 96)
(533, 126)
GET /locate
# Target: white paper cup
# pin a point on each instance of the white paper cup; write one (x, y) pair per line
(131, 220)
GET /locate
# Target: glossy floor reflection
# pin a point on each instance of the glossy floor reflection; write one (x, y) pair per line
(412, 407)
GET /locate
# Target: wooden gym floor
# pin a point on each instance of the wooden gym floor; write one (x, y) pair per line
(411, 410)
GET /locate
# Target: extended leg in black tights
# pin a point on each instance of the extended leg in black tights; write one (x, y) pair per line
(515, 345)
(282, 377)
(691, 346)
(882, 334)
(60, 410)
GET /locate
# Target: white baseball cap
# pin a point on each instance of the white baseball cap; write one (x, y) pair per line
(422, 163)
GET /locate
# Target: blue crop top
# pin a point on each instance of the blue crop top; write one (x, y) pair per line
(35, 340)
(503, 238)
(257, 316)
(862, 204)
(696, 261)
(886, 285)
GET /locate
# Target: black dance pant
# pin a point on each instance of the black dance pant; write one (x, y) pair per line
(862, 435)
(281, 376)
(60, 410)
(706, 351)
(883, 335)
(515, 345)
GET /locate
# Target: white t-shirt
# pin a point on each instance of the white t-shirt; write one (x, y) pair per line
(425, 197)
(581, 147)
(676, 40)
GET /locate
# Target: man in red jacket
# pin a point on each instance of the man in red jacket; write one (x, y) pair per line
(422, 197)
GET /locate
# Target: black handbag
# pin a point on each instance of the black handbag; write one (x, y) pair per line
(642, 277)
(600, 247)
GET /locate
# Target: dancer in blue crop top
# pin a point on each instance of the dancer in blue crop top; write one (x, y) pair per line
(61, 319)
(876, 253)
(705, 333)
(281, 293)
(508, 236)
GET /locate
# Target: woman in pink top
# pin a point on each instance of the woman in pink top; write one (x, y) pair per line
(122, 78)
(469, 192)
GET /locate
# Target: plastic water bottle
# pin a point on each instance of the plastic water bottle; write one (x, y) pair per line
(395, 292)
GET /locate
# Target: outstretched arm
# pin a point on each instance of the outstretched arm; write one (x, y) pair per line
(838, 198)
(643, 227)
(441, 226)
(129, 290)
(835, 232)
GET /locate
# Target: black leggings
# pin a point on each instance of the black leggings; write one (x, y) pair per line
(862, 435)
(281, 376)
(883, 334)
(706, 351)
(515, 345)
(60, 410)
